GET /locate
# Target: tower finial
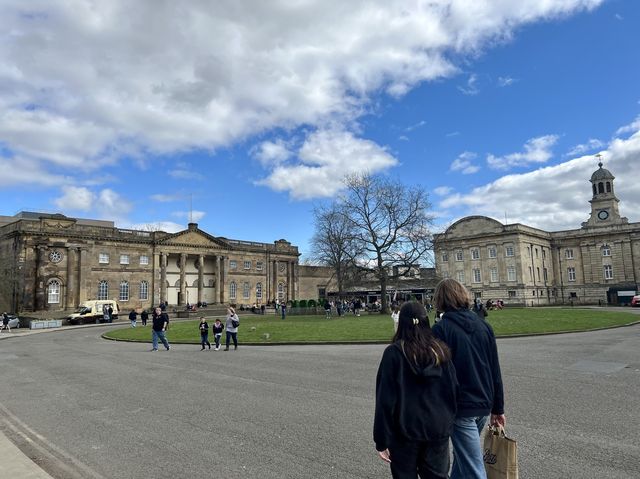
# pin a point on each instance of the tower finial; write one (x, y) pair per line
(599, 157)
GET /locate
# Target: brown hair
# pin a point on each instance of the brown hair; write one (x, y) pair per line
(451, 295)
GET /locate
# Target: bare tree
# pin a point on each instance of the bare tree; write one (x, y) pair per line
(333, 243)
(390, 225)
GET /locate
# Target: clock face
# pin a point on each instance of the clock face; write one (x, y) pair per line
(55, 256)
(603, 214)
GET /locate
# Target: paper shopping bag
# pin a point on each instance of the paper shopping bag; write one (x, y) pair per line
(500, 455)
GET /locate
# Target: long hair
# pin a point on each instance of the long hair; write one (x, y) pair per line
(451, 295)
(414, 334)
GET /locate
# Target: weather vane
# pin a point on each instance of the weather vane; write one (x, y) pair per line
(599, 157)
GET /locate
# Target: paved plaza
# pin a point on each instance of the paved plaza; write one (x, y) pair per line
(83, 407)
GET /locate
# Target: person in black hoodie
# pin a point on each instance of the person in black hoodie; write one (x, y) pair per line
(415, 399)
(475, 355)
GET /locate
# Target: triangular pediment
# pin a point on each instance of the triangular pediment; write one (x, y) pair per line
(193, 238)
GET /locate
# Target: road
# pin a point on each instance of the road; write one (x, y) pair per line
(83, 407)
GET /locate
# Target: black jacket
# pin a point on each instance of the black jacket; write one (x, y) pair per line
(475, 356)
(412, 405)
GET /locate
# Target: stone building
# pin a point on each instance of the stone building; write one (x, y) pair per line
(596, 264)
(54, 262)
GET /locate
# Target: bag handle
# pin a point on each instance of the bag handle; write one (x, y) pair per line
(497, 430)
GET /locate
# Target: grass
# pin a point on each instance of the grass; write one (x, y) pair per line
(379, 328)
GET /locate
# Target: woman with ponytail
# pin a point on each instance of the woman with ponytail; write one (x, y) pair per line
(415, 399)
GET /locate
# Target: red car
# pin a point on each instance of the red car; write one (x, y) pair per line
(635, 301)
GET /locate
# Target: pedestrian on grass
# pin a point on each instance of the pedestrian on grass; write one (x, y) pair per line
(475, 355)
(133, 318)
(204, 333)
(232, 323)
(144, 316)
(395, 316)
(160, 325)
(327, 309)
(415, 399)
(283, 308)
(217, 332)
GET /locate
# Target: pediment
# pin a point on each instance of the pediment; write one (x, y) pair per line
(193, 238)
(474, 225)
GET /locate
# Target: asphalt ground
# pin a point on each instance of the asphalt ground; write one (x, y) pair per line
(83, 407)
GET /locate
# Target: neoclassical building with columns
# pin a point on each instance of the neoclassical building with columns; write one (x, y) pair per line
(53, 262)
(598, 263)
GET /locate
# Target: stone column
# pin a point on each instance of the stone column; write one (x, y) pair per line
(69, 299)
(163, 277)
(183, 287)
(41, 258)
(222, 272)
(275, 280)
(293, 280)
(200, 277)
(81, 292)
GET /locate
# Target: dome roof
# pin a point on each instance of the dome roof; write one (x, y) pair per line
(601, 174)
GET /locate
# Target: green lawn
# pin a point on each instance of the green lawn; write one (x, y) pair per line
(376, 327)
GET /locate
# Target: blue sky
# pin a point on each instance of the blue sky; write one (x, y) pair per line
(254, 113)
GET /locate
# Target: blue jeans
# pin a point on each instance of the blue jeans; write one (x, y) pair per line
(233, 336)
(159, 334)
(467, 451)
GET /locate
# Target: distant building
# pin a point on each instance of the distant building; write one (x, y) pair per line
(596, 264)
(51, 262)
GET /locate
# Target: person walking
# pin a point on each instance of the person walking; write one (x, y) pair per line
(327, 309)
(133, 318)
(217, 333)
(474, 353)
(144, 316)
(204, 333)
(231, 325)
(395, 316)
(160, 325)
(5, 322)
(283, 308)
(415, 399)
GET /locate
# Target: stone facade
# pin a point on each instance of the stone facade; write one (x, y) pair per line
(596, 264)
(53, 262)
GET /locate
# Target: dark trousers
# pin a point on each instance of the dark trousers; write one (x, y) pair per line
(429, 460)
(235, 338)
(204, 339)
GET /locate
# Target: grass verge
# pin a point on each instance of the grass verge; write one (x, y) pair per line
(378, 328)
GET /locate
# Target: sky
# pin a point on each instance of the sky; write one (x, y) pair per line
(244, 116)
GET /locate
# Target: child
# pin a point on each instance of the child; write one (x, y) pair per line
(204, 333)
(217, 332)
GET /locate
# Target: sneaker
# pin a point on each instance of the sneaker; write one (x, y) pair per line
(203, 349)
(217, 348)
(235, 347)
(153, 350)
(226, 349)
(169, 348)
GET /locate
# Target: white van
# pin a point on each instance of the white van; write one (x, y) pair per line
(92, 311)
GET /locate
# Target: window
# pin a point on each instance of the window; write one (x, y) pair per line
(608, 271)
(445, 274)
(545, 273)
(476, 275)
(280, 291)
(606, 251)
(144, 259)
(124, 291)
(124, 259)
(608, 187)
(103, 290)
(492, 252)
(533, 293)
(494, 275)
(511, 273)
(459, 256)
(53, 292)
(475, 253)
(246, 290)
(511, 294)
(536, 250)
(571, 274)
(530, 273)
(445, 257)
(103, 258)
(258, 289)
(259, 265)
(509, 250)
(568, 253)
(544, 254)
(573, 294)
(460, 275)
(144, 290)
(232, 290)
(233, 264)
(247, 265)
(528, 252)
(538, 273)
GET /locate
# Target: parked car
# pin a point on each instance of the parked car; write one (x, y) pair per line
(635, 301)
(93, 311)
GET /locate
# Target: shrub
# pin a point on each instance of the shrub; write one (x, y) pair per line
(303, 303)
(294, 303)
(312, 303)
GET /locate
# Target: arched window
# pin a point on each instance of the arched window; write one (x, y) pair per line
(281, 291)
(124, 291)
(144, 290)
(595, 190)
(246, 291)
(53, 292)
(608, 187)
(259, 291)
(232, 290)
(600, 188)
(103, 289)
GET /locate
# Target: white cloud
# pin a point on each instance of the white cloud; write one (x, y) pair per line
(556, 197)
(164, 198)
(463, 163)
(193, 216)
(112, 205)
(83, 84)
(272, 152)
(442, 190)
(506, 81)
(420, 124)
(324, 159)
(536, 150)
(75, 198)
(166, 226)
(590, 145)
(106, 203)
(471, 87)
(185, 174)
(632, 127)
(452, 134)
(403, 138)
(21, 171)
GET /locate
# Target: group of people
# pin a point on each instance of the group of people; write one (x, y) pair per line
(133, 317)
(436, 384)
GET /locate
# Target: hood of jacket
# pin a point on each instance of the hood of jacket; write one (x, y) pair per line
(430, 371)
(465, 319)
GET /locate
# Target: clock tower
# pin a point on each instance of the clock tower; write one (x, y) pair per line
(604, 204)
